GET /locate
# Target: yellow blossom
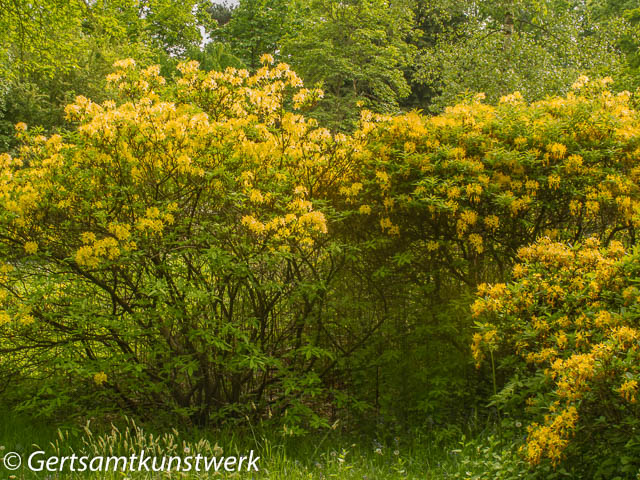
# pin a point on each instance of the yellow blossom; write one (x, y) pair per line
(100, 378)
(31, 247)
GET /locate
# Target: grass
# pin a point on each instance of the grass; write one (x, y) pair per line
(331, 455)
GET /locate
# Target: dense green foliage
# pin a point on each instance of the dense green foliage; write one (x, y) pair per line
(357, 51)
(535, 47)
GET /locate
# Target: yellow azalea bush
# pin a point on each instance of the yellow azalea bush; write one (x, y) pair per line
(198, 246)
(468, 187)
(171, 248)
(566, 332)
(440, 204)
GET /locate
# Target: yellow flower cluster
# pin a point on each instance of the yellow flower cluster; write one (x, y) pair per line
(89, 255)
(628, 390)
(31, 247)
(100, 378)
(565, 317)
(300, 228)
(551, 439)
(153, 221)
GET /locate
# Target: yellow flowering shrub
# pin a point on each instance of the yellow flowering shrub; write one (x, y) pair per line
(175, 243)
(448, 200)
(482, 180)
(199, 246)
(566, 332)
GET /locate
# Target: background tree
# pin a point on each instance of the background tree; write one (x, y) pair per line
(357, 50)
(221, 12)
(255, 27)
(537, 48)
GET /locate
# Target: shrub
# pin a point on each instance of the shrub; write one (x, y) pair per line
(169, 255)
(466, 189)
(441, 204)
(566, 333)
(198, 247)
